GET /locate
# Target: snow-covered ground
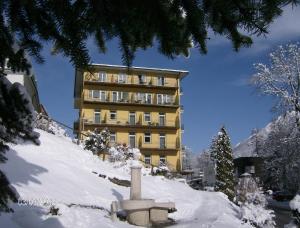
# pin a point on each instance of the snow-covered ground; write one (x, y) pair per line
(59, 172)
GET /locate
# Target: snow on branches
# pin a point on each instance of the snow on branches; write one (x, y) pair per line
(221, 154)
(281, 78)
(253, 203)
(97, 141)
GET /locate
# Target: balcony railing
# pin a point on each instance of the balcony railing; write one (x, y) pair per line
(128, 123)
(131, 80)
(172, 102)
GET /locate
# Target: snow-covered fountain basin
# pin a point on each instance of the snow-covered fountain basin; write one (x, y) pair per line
(141, 212)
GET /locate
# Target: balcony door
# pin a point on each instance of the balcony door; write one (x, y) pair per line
(97, 116)
(162, 119)
(162, 141)
(132, 139)
(132, 118)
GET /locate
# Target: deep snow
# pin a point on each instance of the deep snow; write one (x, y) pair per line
(60, 172)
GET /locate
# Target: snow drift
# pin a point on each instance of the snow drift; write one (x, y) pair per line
(61, 174)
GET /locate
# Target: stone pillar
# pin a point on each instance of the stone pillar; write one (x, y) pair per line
(135, 190)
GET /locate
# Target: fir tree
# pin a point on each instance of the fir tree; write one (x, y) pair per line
(221, 154)
(175, 26)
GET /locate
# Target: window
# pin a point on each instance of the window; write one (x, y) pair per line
(147, 138)
(102, 77)
(132, 118)
(132, 139)
(118, 96)
(113, 137)
(144, 97)
(164, 99)
(142, 79)
(148, 97)
(147, 159)
(161, 81)
(162, 160)
(159, 98)
(147, 117)
(114, 96)
(113, 115)
(122, 78)
(96, 94)
(97, 116)
(162, 141)
(102, 95)
(162, 119)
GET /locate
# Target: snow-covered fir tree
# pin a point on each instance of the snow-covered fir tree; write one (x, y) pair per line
(221, 153)
(253, 203)
(16, 122)
(98, 141)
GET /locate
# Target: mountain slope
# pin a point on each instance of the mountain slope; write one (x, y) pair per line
(247, 148)
(59, 172)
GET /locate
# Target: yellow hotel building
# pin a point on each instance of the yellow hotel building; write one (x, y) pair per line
(140, 107)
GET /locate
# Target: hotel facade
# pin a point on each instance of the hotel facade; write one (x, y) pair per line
(140, 107)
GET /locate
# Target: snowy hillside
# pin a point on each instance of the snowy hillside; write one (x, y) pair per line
(59, 172)
(247, 148)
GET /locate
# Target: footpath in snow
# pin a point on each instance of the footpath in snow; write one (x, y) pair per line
(61, 173)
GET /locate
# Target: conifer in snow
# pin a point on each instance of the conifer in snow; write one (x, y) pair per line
(221, 154)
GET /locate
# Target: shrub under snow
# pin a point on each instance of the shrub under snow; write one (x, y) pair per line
(253, 203)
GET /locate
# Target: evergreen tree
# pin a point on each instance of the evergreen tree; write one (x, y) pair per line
(221, 154)
(16, 122)
(175, 26)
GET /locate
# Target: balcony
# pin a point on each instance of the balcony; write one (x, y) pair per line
(112, 80)
(132, 101)
(127, 124)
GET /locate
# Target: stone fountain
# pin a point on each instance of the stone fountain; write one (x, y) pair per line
(141, 212)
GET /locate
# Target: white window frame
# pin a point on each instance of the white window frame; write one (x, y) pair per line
(147, 114)
(143, 79)
(163, 135)
(130, 135)
(161, 80)
(102, 93)
(122, 78)
(148, 95)
(102, 76)
(165, 98)
(97, 111)
(114, 112)
(131, 113)
(160, 101)
(162, 115)
(147, 158)
(148, 136)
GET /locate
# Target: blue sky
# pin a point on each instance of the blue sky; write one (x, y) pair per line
(215, 91)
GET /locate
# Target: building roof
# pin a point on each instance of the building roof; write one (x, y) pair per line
(135, 68)
(78, 72)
